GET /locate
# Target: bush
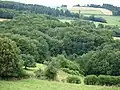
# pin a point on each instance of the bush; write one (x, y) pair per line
(102, 80)
(91, 80)
(108, 80)
(73, 79)
(73, 72)
(10, 60)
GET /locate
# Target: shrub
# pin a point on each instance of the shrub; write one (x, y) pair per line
(91, 80)
(52, 70)
(10, 60)
(108, 80)
(102, 80)
(73, 79)
(73, 72)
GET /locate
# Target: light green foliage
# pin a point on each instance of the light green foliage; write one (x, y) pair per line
(73, 72)
(40, 74)
(65, 63)
(52, 70)
(48, 73)
(10, 60)
(73, 79)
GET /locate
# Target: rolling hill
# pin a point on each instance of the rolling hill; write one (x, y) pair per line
(91, 10)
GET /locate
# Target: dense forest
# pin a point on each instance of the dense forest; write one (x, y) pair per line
(42, 37)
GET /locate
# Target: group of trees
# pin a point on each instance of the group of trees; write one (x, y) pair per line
(102, 62)
(12, 8)
(86, 49)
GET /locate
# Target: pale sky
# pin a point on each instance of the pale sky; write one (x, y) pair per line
(68, 2)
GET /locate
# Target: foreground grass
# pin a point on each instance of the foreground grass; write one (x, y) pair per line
(34, 84)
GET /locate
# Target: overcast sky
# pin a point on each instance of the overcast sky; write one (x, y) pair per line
(68, 2)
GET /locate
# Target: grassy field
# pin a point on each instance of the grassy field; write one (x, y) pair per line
(111, 20)
(34, 84)
(98, 12)
(90, 10)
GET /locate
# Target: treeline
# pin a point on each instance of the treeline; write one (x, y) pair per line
(115, 10)
(37, 9)
(9, 14)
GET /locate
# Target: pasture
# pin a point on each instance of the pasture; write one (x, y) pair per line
(35, 84)
(112, 20)
(90, 10)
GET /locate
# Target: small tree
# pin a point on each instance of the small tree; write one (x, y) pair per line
(52, 69)
(10, 61)
(29, 60)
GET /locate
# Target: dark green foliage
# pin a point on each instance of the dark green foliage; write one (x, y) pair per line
(105, 61)
(73, 79)
(10, 60)
(108, 80)
(78, 40)
(102, 80)
(37, 9)
(91, 80)
(29, 60)
(86, 49)
(9, 14)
